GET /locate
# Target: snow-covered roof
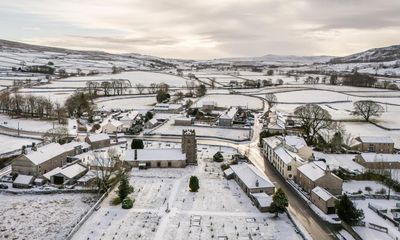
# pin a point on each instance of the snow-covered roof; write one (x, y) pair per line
(312, 171)
(250, 176)
(230, 114)
(72, 145)
(45, 153)
(23, 179)
(375, 139)
(167, 106)
(272, 142)
(168, 154)
(52, 173)
(113, 122)
(380, 157)
(285, 155)
(295, 141)
(208, 103)
(228, 172)
(98, 137)
(73, 170)
(263, 199)
(183, 118)
(129, 116)
(322, 193)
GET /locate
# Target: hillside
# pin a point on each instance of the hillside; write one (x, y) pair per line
(384, 54)
(281, 59)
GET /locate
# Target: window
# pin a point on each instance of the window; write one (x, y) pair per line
(169, 164)
(158, 164)
(289, 168)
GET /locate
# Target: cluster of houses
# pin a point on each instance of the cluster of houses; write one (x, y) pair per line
(294, 160)
(55, 163)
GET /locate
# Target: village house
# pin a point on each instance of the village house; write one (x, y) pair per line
(226, 119)
(324, 200)
(378, 160)
(168, 108)
(113, 126)
(286, 154)
(317, 174)
(23, 181)
(184, 121)
(380, 144)
(152, 123)
(74, 148)
(208, 106)
(127, 119)
(97, 141)
(40, 161)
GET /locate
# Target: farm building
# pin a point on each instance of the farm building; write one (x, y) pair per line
(324, 200)
(378, 160)
(101, 140)
(40, 161)
(168, 108)
(184, 121)
(23, 181)
(379, 144)
(66, 175)
(226, 119)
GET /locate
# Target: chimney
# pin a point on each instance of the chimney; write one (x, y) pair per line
(135, 154)
(34, 147)
(328, 169)
(257, 183)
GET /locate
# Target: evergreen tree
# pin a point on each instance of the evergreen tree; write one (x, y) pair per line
(137, 144)
(124, 188)
(218, 157)
(201, 90)
(263, 134)
(194, 184)
(347, 212)
(279, 202)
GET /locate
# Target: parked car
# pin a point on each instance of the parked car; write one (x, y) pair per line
(3, 186)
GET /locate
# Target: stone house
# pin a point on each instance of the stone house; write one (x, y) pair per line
(155, 158)
(378, 160)
(97, 141)
(41, 161)
(113, 126)
(324, 200)
(317, 174)
(379, 144)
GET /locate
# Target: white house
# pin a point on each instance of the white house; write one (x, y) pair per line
(112, 126)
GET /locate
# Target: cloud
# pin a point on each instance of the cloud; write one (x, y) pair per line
(213, 28)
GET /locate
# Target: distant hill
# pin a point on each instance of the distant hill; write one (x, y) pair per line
(384, 54)
(282, 59)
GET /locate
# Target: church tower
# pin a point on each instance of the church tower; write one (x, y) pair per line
(189, 146)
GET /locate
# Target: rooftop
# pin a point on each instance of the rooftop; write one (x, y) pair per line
(312, 171)
(98, 137)
(250, 176)
(168, 154)
(23, 179)
(45, 153)
(375, 139)
(380, 157)
(323, 194)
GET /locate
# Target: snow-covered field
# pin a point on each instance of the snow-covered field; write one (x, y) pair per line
(41, 216)
(226, 101)
(126, 103)
(355, 186)
(13, 143)
(230, 133)
(27, 124)
(222, 207)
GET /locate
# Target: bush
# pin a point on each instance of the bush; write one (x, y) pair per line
(194, 184)
(127, 203)
(116, 201)
(218, 157)
(224, 166)
(381, 191)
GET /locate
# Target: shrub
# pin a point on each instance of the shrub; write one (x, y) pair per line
(218, 157)
(127, 203)
(116, 201)
(194, 184)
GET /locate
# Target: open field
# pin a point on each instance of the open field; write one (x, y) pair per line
(41, 216)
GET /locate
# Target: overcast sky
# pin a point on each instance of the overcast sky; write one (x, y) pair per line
(205, 29)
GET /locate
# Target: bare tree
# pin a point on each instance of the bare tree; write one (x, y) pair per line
(152, 88)
(367, 109)
(58, 134)
(271, 99)
(139, 87)
(106, 166)
(312, 119)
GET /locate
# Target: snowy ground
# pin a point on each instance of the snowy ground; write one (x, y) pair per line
(41, 216)
(372, 217)
(230, 133)
(340, 160)
(27, 124)
(221, 205)
(226, 101)
(14, 143)
(126, 103)
(350, 187)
